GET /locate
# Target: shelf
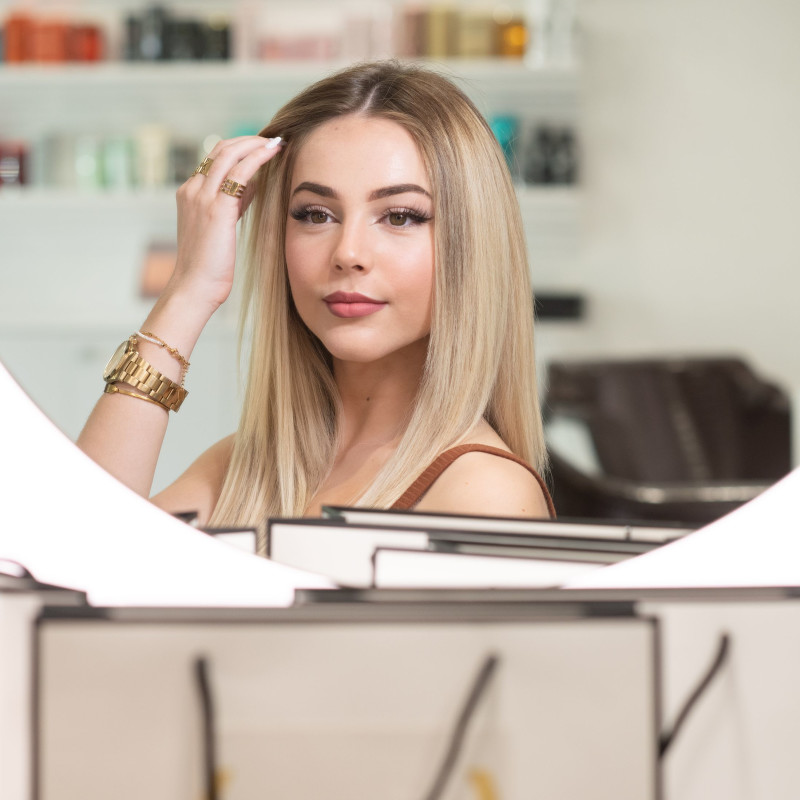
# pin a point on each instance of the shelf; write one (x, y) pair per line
(509, 73)
(35, 198)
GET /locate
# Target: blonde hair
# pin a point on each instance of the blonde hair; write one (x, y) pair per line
(480, 361)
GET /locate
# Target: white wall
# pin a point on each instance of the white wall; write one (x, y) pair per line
(691, 138)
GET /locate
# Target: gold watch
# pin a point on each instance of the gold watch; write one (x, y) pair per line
(127, 366)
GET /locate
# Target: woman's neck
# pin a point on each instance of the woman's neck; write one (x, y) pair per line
(377, 397)
(376, 402)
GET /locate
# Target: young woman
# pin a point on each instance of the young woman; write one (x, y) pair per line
(390, 311)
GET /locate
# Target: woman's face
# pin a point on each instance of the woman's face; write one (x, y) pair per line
(359, 239)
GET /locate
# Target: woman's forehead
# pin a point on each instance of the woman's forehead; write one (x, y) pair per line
(360, 152)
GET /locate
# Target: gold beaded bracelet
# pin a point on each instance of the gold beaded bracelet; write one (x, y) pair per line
(173, 351)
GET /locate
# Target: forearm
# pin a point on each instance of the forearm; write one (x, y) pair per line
(124, 434)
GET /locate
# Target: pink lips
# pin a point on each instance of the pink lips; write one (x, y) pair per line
(352, 304)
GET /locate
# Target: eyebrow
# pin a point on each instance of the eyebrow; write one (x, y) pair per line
(377, 194)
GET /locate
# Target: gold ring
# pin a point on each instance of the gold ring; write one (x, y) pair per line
(232, 188)
(205, 166)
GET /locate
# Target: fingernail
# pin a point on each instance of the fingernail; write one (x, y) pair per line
(273, 142)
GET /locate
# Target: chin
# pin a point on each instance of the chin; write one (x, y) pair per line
(358, 355)
(371, 351)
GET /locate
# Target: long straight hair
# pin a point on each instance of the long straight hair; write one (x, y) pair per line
(480, 359)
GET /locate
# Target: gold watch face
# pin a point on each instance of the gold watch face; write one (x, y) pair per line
(115, 360)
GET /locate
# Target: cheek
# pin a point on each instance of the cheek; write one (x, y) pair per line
(299, 258)
(421, 275)
(421, 285)
(293, 252)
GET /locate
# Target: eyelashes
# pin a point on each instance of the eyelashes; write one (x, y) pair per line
(403, 217)
(306, 214)
(417, 216)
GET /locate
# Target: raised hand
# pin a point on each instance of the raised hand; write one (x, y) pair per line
(210, 204)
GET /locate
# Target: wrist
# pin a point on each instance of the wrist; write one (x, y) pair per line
(203, 294)
(177, 318)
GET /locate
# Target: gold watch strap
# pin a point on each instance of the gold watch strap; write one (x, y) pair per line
(140, 374)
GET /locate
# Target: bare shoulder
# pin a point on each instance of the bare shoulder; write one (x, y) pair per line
(198, 489)
(485, 484)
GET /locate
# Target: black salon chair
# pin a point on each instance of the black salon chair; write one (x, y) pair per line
(683, 440)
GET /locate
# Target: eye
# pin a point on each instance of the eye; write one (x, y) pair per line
(398, 218)
(313, 215)
(405, 217)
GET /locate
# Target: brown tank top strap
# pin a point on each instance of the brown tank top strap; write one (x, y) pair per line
(424, 482)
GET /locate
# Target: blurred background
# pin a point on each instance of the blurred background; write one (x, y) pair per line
(654, 146)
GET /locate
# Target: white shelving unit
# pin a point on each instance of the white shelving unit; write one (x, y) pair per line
(71, 259)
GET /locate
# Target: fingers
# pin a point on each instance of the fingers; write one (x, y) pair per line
(208, 160)
(249, 165)
(236, 160)
(207, 216)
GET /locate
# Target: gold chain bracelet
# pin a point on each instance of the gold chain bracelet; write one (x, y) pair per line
(173, 351)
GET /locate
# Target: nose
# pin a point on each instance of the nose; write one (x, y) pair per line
(352, 251)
